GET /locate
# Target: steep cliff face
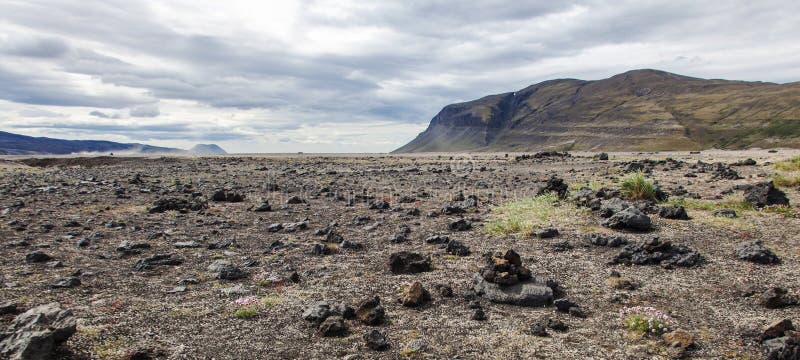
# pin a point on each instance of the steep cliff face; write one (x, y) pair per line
(636, 110)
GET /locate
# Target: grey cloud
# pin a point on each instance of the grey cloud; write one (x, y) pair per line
(147, 111)
(475, 49)
(37, 47)
(102, 115)
(45, 89)
(141, 132)
(35, 112)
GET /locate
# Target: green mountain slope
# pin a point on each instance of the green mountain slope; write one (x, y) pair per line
(635, 111)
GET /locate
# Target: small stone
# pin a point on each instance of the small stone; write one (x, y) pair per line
(230, 272)
(727, 213)
(577, 312)
(65, 282)
(445, 290)
(774, 298)
(777, 329)
(557, 325)
(460, 225)
(756, 252)
(539, 328)
(370, 311)
(478, 315)
(455, 247)
(621, 283)
(376, 340)
(682, 338)
(414, 295)
(317, 312)
(8, 307)
(546, 233)
(405, 262)
(564, 305)
(187, 245)
(333, 326)
(512, 257)
(675, 212)
(37, 257)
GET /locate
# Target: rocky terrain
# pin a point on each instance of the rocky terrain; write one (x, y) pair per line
(489, 256)
(639, 110)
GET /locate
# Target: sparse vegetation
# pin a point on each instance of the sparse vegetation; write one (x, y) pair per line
(781, 180)
(246, 313)
(524, 216)
(737, 203)
(645, 319)
(636, 187)
(792, 164)
(271, 300)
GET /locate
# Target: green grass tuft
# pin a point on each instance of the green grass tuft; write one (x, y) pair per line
(246, 313)
(736, 203)
(526, 215)
(637, 187)
(781, 180)
(792, 164)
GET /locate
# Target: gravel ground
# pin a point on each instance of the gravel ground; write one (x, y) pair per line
(123, 312)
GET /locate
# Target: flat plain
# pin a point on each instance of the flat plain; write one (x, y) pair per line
(226, 257)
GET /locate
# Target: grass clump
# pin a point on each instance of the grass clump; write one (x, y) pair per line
(737, 203)
(792, 164)
(271, 300)
(781, 180)
(636, 187)
(246, 313)
(526, 215)
(786, 211)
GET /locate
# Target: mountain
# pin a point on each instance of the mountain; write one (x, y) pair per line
(15, 144)
(207, 149)
(640, 110)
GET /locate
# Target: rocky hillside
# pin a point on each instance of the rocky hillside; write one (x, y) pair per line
(15, 144)
(634, 111)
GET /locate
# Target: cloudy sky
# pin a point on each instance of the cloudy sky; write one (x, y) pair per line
(342, 76)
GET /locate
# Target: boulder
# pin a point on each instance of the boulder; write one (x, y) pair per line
(756, 252)
(414, 295)
(333, 326)
(782, 348)
(370, 311)
(629, 219)
(405, 262)
(765, 194)
(676, 212)
(455, 247)
(545, 233)
(775, 298)
(654, 251)
(459, 225)
(612, 206)
(157, 260)
(376, 340)
(554, 185)
(530, 293)
(36, 333)
(223, 195)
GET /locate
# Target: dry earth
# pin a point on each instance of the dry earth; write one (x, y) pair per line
(122, 311)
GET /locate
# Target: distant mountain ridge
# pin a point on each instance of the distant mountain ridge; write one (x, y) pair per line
(15, 144)
(639, 110)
